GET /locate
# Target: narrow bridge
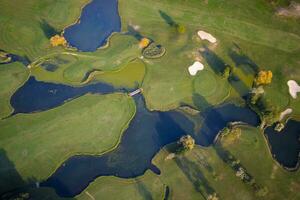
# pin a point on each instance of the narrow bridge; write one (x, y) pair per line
(135, 92)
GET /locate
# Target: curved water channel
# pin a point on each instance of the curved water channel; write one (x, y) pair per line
(147, 133)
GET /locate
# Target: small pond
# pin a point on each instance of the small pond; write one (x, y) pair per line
(285, 145)
(98, 20)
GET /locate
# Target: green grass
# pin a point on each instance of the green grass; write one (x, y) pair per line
(252, 151)
(38, 143)
(12, 76)
(202, 171)
(211, 86)
(148, 186)
(25, 27)
(131, 75)
(121, 50)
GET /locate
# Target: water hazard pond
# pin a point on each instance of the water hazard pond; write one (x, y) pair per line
(98, 20)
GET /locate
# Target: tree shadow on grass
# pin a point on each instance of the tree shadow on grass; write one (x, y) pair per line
(133, 32)
(48, 30)
(13, 186)
(144, 192)
(241, 59)
(219, 66)
(168, 19)
(195, 176)
(213, 60)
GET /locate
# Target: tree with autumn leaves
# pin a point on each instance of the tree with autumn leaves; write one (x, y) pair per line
(264, 77)
(186, 143)
(58, 40)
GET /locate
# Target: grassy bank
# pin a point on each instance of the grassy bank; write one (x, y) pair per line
(38, 143)
(12, 76)
(25, 27)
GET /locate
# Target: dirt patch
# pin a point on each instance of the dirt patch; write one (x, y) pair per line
(293, 10)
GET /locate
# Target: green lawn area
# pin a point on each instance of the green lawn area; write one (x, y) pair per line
(148, 186)
(130, 75)
(38, 143)
(25, 27)
(253, 152)
(12, 76)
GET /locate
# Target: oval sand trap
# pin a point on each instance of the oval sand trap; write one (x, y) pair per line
(197, 66)
(294, 88)
(285, 113)
(207, 36)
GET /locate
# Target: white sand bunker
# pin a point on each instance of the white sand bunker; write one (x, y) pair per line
(294, 88)
(206, 36)
(285, 113)
(197, 66)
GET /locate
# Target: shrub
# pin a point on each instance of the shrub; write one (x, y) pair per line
(264, 78)
(144, 42)
(180, 28)
(154, 51)
(58, 41)
(185, 143)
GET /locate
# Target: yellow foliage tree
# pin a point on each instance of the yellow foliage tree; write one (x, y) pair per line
(180, 28)
(187, 142)
(58, 40)
(264, 78)
(144, 42)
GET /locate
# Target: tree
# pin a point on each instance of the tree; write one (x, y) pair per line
(180, 28)
(226, 72)
(144, 42)
(256, 93)
(264, 78)
(185, 143)
(58, 40)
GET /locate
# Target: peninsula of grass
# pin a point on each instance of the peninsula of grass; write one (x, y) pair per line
(12, 76)
(202, 171)
(130, 75)
(38, 143)
(252, 148)
(26, 27)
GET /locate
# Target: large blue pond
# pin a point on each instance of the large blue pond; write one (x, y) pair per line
(98, 20)
(285, 145)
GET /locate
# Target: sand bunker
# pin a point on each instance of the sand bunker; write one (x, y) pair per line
(206, 36)
(197, 66)
(285, 113)
(294, 88)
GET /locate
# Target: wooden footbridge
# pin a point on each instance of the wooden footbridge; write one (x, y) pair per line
(137, 91)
